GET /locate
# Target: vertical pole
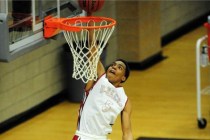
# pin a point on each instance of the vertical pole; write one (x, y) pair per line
(33, 15)
(6, 5)
(207, 25)
(58, 9)
(198, 76)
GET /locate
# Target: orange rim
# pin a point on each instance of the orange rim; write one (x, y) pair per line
(67, 24)
(52, 26)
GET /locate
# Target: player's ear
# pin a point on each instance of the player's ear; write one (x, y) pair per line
(123, 79)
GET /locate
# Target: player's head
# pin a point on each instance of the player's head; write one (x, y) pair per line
(118, 71)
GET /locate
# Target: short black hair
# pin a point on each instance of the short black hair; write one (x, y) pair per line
(127, 69)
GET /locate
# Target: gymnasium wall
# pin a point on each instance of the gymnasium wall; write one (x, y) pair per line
(175, 14)
(138, 30)
(36, 76)
(31, 79)
(138, 37)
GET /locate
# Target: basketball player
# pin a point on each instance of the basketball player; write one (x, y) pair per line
(104, 100)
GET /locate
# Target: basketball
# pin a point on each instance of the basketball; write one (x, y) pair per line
(91, 6)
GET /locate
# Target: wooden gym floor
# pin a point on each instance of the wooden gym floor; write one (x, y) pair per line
(163, 99)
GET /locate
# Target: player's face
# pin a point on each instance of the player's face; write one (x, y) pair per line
(116, 73)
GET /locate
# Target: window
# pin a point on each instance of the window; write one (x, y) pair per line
(21, 23)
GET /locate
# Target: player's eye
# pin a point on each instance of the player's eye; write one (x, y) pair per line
(120, 67)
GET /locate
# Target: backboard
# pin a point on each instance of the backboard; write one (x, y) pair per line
(21, 23)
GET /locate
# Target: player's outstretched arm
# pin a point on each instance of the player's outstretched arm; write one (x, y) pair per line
(126, 122)
(100, 69)
(100, 72)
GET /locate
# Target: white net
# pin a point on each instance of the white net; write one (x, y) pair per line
(86, 47)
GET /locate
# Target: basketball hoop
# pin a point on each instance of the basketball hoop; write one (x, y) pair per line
(86, 37)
